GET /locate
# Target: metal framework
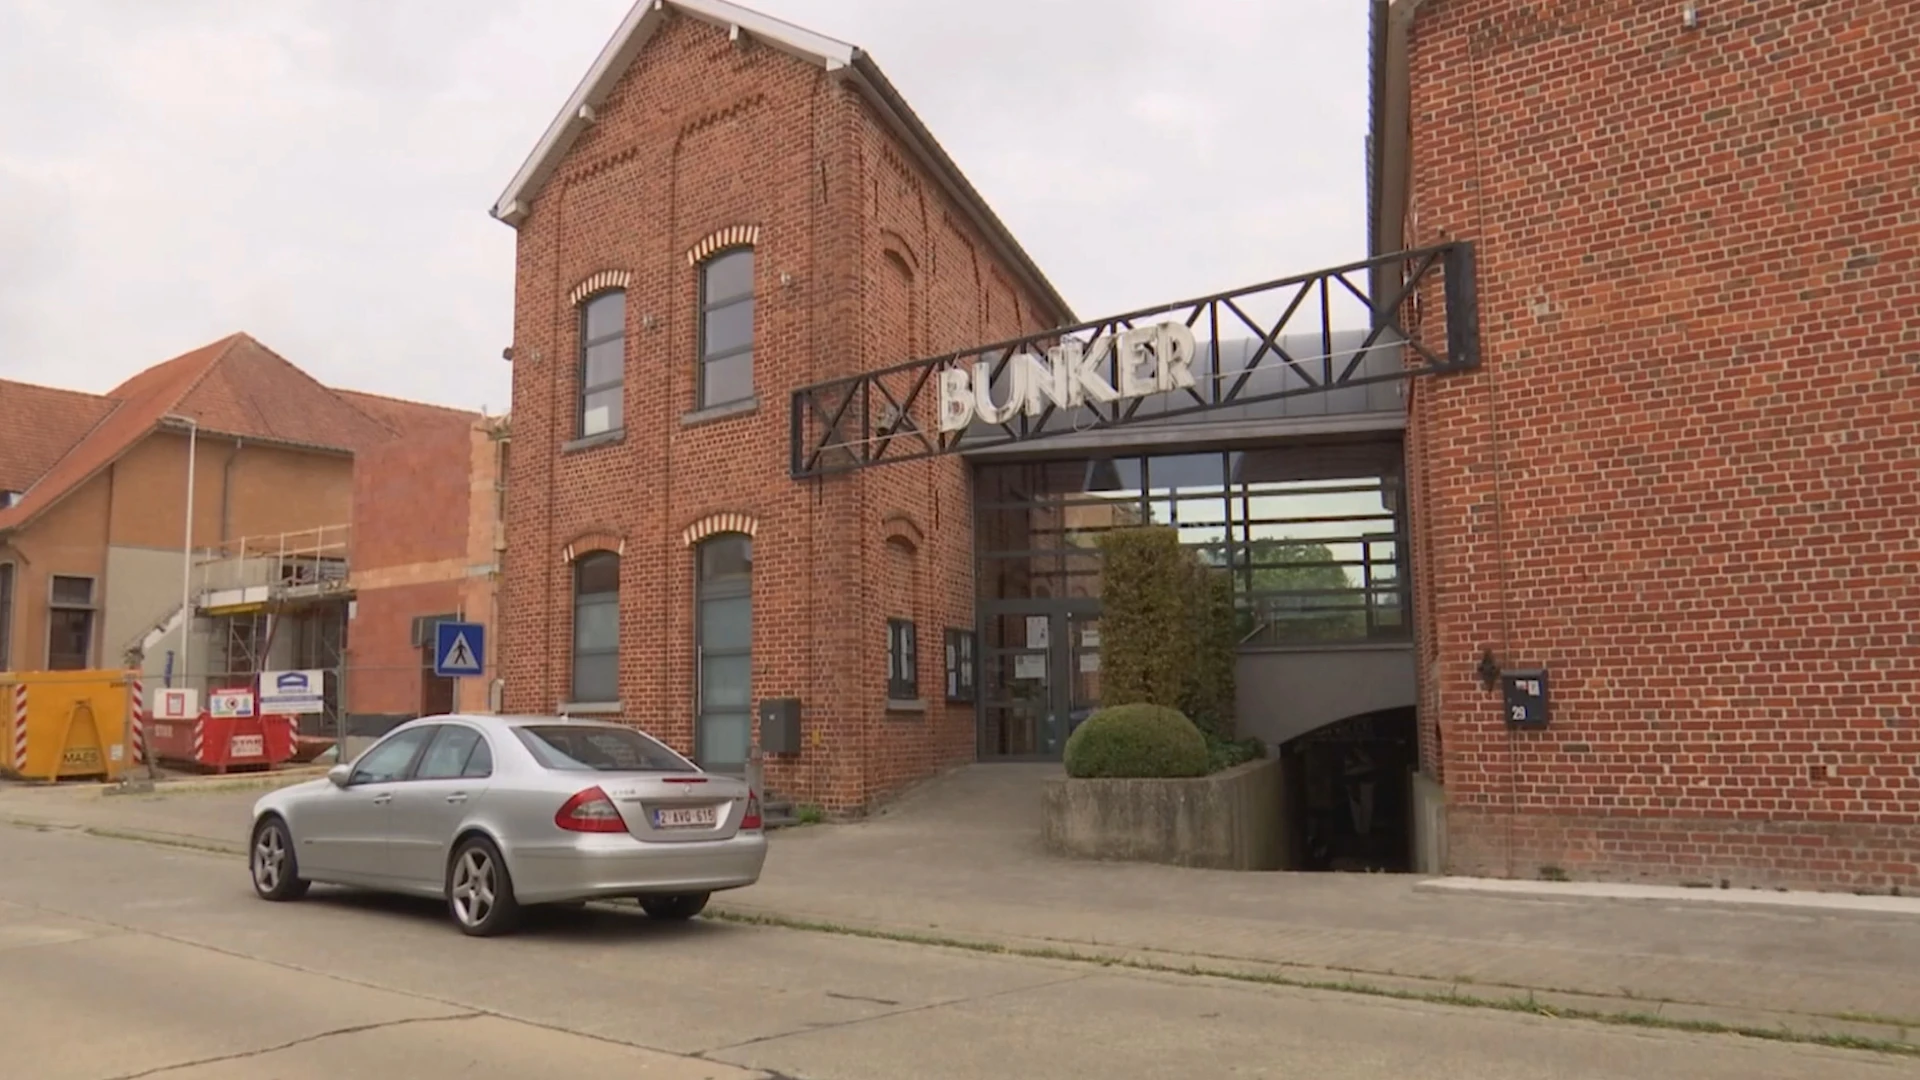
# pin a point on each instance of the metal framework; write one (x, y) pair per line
(889, 415)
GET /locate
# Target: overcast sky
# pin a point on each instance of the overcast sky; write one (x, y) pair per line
(318, 172)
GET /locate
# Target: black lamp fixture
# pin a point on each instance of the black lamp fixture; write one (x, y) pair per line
(1489, 670)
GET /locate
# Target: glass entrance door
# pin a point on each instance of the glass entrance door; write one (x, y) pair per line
(1041, 668)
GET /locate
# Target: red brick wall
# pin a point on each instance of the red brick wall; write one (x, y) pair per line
(383, 664)
(411, 498)
(1687, 479)
(857, 266)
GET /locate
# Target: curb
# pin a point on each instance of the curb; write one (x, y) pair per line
(1804, 902)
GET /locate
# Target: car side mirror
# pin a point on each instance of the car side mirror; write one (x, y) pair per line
(340, 774)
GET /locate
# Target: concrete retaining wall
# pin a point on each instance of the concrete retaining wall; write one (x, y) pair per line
(1231, 820)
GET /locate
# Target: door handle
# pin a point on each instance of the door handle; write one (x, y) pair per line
(382, 800)
(457, 797)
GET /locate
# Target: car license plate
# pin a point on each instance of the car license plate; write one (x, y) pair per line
(687, 817)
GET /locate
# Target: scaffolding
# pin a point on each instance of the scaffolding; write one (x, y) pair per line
(279, 602)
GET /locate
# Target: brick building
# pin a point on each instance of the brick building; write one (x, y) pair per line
(93, 519)
(427, 536)
(1573, 423)
(1687, 478)
(728, 208)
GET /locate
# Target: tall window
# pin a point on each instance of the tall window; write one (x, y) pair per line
(603, 362)
(596, 628)
(724, 650)
(70, 623)
(726, 328)
(6, 616)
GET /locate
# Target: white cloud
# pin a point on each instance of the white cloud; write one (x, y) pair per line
(317, 172)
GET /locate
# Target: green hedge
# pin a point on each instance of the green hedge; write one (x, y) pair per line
(1167, 629)
(1137, 742)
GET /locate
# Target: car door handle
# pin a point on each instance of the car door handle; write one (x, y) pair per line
(382, 800)
(458, 796)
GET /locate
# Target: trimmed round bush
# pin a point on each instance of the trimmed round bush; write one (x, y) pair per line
(1130, 742)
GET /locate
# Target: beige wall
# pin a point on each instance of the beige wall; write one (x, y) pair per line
(124, 527)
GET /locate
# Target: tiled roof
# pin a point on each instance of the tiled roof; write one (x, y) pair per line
(235, 387)
(406, 417)
(38, 424)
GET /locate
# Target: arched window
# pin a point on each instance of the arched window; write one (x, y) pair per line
(726, 328)
(723, 629)
(603, 363)
(596, 628)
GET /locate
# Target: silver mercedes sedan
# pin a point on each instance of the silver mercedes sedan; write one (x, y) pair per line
(497, 813)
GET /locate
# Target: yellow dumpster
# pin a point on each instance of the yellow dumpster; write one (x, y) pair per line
(66, 725)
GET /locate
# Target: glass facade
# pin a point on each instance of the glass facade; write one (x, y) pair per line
(1312, 538)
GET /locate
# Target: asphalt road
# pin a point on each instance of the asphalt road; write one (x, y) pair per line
(121, 960)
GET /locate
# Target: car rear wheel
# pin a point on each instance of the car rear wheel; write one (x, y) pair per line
(683, 906)
(479, 890)
(276, 871)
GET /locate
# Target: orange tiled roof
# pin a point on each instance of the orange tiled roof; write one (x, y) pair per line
(38, 425)
(235, 386)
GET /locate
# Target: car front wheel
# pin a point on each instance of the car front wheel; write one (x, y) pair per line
(683, 906)
(276, 870)
(479, 890)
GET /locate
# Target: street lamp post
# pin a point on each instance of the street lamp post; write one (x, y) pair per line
(186, 550)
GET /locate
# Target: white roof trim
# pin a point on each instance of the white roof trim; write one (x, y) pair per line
(834, 55)
(632, 35)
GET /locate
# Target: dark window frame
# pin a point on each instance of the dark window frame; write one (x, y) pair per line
(708, 306)
(59, 609)
(598, 598)
(8, 576)
(586, 389)
(903, 660)
(963, 665)
(707, 590)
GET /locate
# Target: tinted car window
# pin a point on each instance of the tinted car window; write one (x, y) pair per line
(389, 760)
(598, 749)
(447, 757)
(480, 762)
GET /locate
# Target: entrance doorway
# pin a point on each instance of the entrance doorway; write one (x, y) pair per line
(1349, 794)
(1041, 662)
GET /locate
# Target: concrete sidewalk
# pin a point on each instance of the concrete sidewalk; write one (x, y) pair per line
(959, 861)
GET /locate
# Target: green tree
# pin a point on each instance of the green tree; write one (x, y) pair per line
(1300, 567)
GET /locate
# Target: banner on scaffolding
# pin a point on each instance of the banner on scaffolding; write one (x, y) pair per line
(293, 692)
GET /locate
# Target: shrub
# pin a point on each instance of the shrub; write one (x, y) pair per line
(1208, 697)
(1146, 640)
(1226, 753)
(1137, 741)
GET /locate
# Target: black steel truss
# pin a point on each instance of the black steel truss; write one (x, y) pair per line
(890, 414)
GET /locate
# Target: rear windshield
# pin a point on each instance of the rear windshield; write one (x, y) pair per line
(599, 749)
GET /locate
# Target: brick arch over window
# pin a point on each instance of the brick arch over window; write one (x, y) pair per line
(591, 541)
(900, 528)
(731, 236)
(599, 283)
(715, 524)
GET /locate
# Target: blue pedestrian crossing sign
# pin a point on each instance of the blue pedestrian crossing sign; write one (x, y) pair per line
(459, 648)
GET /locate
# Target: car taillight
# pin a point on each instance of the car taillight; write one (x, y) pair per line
(590, 811)
(752, 820)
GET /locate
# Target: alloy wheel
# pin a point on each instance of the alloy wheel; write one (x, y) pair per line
(473, 887)
(269, 859)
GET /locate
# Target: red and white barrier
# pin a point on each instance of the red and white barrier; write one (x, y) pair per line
(20, 727)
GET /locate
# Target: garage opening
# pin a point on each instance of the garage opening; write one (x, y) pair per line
(1349, 794)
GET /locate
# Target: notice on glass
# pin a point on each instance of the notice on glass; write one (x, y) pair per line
(1090, 662)
(1036, 631)
(1029, 667)
(1090, 637)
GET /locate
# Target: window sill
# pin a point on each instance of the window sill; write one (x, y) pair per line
(588, 442)
(589, 708)
(914, 707)
(720, 412)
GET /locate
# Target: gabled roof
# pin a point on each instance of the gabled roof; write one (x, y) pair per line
(844, 61)
(407, 417)
(39, 424)
(234, 387)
